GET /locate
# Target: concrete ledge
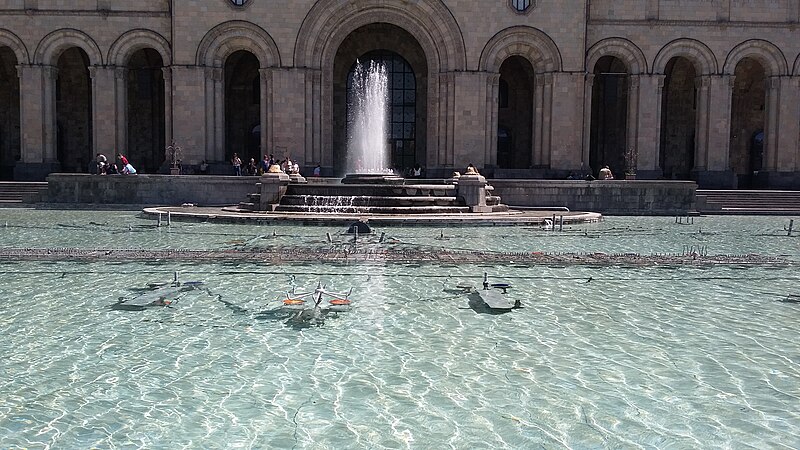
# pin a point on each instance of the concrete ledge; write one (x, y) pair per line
(617, 197)
(149, 189)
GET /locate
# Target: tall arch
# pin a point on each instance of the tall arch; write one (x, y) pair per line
(695, 51)
(434, 30)
(765, 52)
(527, 42)
(10, 136)
(620, 48)
(429, 21)
(12, 41)
(135, 40)
(229, 37)
(51, 46)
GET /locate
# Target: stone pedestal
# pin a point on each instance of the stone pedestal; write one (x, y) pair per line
(297, 178)
(273, 188)
(472, 189)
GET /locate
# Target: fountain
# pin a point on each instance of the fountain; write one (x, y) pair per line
(370, 186)
(367, 146)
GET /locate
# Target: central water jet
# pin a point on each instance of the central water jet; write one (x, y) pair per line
(367, 132)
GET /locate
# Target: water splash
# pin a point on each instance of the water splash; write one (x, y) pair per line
(367, 149)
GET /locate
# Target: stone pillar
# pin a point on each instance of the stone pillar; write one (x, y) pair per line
(648, 138)
(121, 99)
(566, 140)
(772, 125)
(472, 190)
(492, 106)
(445, 156)
(313, 119)
(465, 121)
(24, 73)
(167, 72)
(49, 77)
(538, 113)
(219, 114)
(288, 115)
(545, 149)
(264, 102)
(104, 110)
(273, 188)
(632, 139)
(713, 131)
(587, 122)
(189, 100)
(789, 136)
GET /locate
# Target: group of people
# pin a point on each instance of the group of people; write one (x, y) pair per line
(253, 168)
(104, 167)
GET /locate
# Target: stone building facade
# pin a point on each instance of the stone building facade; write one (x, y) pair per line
(678, 89)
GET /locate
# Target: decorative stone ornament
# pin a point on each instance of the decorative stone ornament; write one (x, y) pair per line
(239, 3)
(522, 6)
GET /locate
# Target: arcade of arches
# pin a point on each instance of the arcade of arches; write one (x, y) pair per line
(516, 106)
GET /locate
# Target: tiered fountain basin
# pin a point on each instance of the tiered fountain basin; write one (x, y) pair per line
(380, 200)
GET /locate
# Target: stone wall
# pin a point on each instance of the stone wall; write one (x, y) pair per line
(149, 189)
(606, 197)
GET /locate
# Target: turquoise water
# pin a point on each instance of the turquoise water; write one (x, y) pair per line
(636, 358)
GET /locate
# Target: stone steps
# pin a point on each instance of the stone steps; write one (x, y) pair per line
(375, 210)
(13, 192)
(748, 202)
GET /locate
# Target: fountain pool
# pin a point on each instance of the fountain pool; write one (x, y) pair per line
(639, 357)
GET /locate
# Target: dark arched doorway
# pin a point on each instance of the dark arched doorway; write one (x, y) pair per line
(74, 111)
(678, 118)
(242, 107)
(10, 146)
(608, 138)
(747, 121)
(146, 122)
(515, 113)
(408, 77)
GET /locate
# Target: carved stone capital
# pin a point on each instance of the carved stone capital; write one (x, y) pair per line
(167, 73)
(121, 73)
(50, 72)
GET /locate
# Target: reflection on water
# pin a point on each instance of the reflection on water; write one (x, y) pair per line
(642, 356)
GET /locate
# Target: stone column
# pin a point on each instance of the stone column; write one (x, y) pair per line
(789, 136)
(121, 98)
(466, 123)
(104, 110)
(313, 119)
(219, 114)
(189, 101)
(713, 131)
(264, 102)
(167, 72)
(50, 75)
(545, 149)
(538, 113)
(492, 106)
(772, 125)
(288, 114)
(649, 125)
(446, 121)
(22, 74)
(215, 115)
(566, 140)
(632, 138)
(587, 122)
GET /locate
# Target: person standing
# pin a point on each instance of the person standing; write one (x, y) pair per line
(237, 165)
